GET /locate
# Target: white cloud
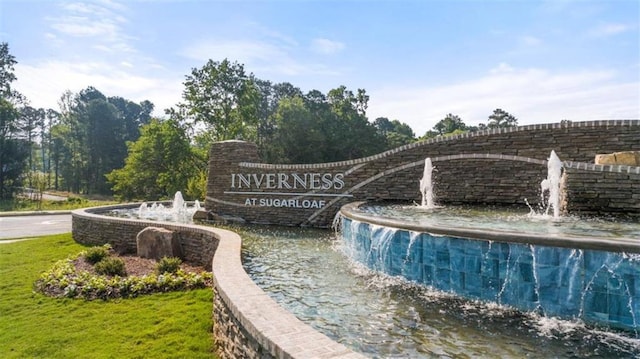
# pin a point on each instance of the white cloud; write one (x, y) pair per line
(326, 46)
(100, 21)
(610, 29)
(502, 68)
(532, 95)
(530, 41)
(243, 51)
(44, 83)
(262, 57)
(80, 27)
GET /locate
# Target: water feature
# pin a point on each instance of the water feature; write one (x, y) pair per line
(426, 185)
(179, 210)
(504, 220)
(555, 265)
(551, 186)
(311, 274)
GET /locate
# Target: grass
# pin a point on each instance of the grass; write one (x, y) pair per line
(23, 204)
(32, 325)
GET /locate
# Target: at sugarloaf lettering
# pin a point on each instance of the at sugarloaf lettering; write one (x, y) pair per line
(284, 181)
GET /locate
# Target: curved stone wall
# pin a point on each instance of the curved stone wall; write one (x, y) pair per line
(492, 167)
(247, 322)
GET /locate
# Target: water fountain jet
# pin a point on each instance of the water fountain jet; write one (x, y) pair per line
(426, 185)
(178, 211)
(552, 185)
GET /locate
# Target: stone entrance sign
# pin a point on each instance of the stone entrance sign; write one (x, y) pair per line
(500, 167)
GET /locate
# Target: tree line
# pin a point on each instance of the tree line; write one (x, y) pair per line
(107, 145)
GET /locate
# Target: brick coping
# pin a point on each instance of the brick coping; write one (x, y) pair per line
(278, 331)
(626, 245)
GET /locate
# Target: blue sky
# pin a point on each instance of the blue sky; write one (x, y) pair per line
(542, 61)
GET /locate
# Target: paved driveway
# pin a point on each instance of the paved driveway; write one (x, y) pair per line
(34, 225)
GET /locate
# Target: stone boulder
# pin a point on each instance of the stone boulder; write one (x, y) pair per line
(627, 158)
(155, 243)
(201, 214)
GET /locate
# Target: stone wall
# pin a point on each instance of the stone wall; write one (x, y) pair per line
(493, 167)
(603, 190)
(247, 322)
(91, 228)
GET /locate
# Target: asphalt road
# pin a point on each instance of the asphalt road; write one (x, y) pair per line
(15, 227)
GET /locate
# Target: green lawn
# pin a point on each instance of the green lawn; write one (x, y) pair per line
(70, 204)
(168, 325)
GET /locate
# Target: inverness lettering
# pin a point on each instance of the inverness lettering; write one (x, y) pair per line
(308, 181)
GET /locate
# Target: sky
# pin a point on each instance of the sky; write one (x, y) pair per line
(541, 61)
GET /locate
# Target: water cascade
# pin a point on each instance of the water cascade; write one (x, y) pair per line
(538, 274)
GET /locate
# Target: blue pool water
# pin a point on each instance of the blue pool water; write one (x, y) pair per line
(310, 274)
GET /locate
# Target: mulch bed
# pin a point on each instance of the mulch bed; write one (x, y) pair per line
(135, 266)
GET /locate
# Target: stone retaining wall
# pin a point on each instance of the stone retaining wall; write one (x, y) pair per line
(603, 190)
(247, 322)
(89, 227)
(493, 167)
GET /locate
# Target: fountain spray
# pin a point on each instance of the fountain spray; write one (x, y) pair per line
(552, 184)
(426, 187)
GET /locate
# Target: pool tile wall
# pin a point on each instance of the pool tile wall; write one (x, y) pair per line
(601, 288)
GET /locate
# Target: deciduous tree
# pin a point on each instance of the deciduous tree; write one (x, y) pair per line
(14, 149)
(160, 163)
(395, 132)
(501, 119)
(223, 97)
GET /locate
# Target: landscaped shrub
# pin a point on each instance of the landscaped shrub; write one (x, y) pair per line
(111, 266)
(94, 255)
(63, 280)
(168, 265)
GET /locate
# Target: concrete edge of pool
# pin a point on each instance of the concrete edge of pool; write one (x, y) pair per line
(247, 322)
(595, 243)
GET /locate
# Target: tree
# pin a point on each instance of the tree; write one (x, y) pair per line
(501, 119)
(223, 97)
(349, 134)
(13, 151)
(68, 137)
(13, 148)
(48, 146)
(7, 76)
(299, 138)
(450, 124)
(89, 139)
(395, 132)
(32, 120)
(106, 147)
(269, 97)
(160, 163)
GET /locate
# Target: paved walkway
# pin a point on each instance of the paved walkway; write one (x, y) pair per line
(16, 226)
